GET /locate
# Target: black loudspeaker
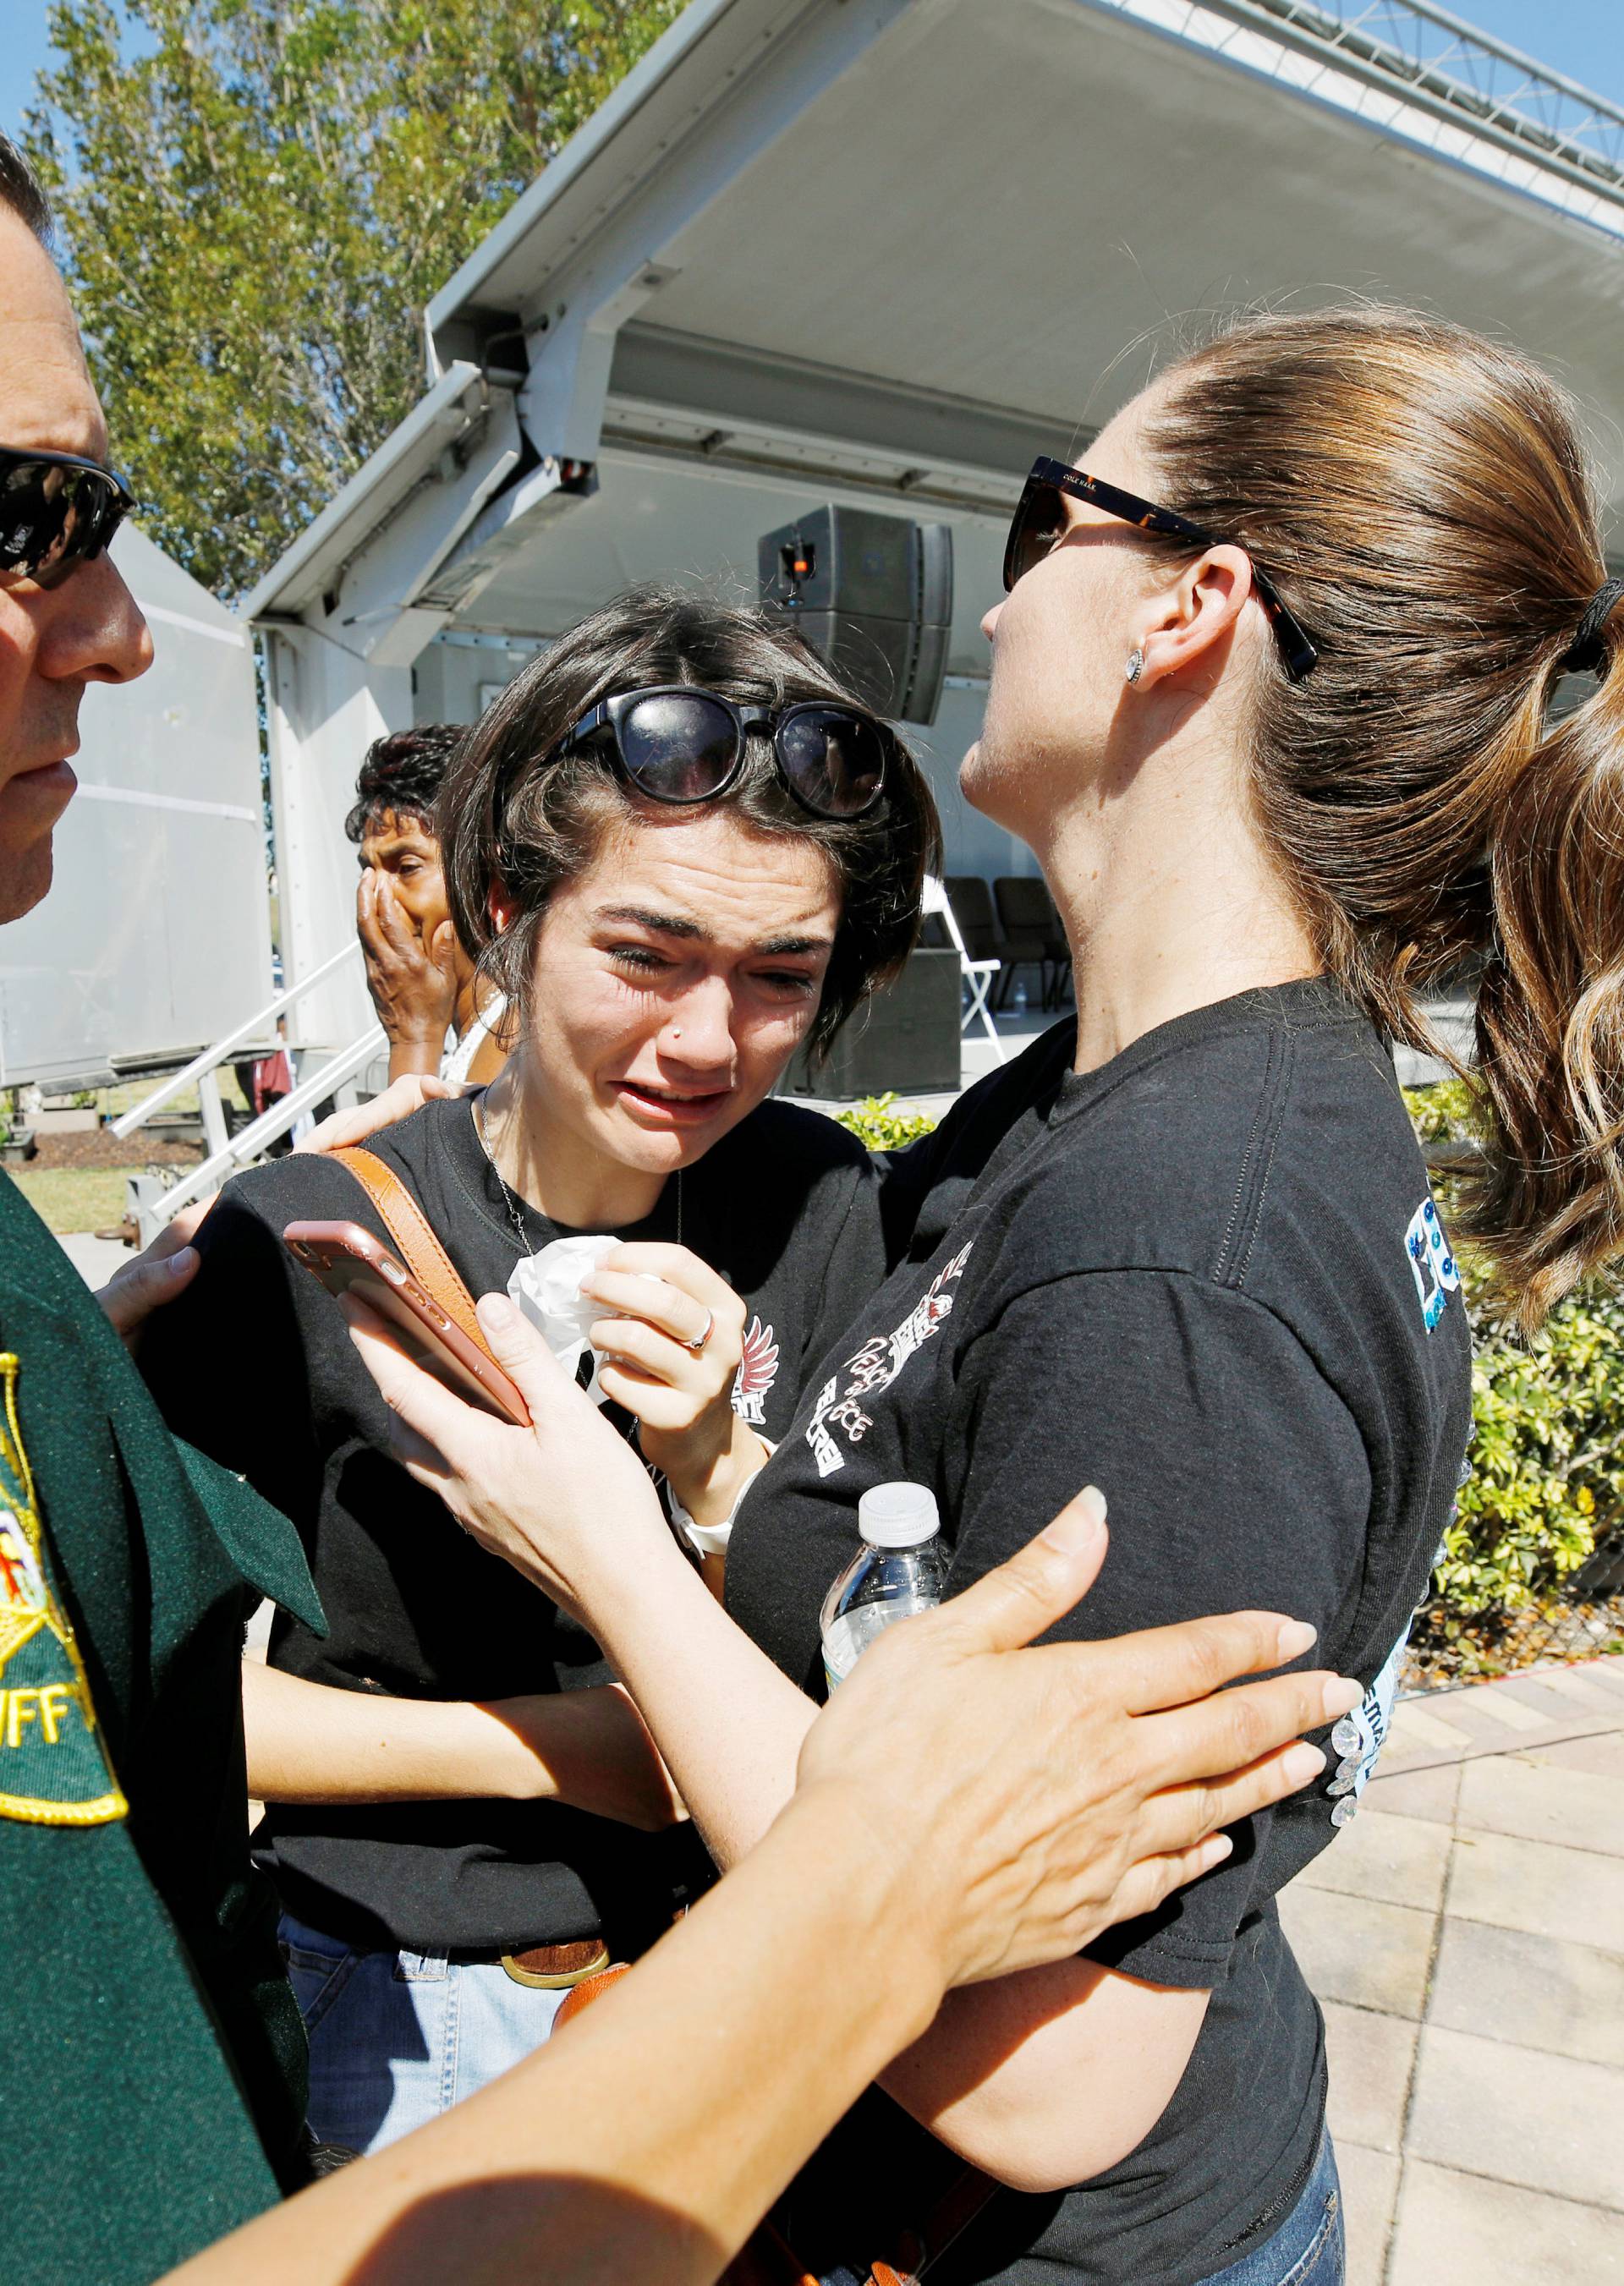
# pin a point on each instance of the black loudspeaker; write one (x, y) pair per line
(875, 594)
(906, 1037)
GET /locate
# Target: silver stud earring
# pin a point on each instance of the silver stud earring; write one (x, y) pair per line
(1136, 663)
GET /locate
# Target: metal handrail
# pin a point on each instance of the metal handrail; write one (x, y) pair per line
(1432, 51)
(212, 1058)
(250, 1141)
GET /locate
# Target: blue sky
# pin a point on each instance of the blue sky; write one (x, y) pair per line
(1583, 38)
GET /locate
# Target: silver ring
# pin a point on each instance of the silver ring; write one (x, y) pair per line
(710, 1327)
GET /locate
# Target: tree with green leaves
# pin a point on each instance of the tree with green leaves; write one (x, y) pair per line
(257, 199)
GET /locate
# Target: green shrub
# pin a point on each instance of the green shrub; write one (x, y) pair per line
(881, 1125)
(1546, 1458)
(1444, 1113)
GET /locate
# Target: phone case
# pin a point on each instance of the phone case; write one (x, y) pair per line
(347, 1258)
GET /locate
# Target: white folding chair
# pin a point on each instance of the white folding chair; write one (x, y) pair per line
(978, 975)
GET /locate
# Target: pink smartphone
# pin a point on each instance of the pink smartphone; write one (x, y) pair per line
(349, 1260)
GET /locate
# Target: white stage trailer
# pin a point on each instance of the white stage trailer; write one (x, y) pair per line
(156, 935)
(884, 251)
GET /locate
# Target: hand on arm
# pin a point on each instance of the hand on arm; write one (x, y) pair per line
(646, 2140)
(309, 1742)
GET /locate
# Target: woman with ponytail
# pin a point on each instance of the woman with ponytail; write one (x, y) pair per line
(1422, 496)
(1271, 699)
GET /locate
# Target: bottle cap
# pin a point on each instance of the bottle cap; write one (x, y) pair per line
(898, 1516)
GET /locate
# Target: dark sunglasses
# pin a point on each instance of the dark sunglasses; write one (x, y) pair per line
(680, 745)
(1040, 520)
(55, 509)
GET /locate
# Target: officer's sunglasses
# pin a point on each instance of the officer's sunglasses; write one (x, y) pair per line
(55, 509)
(1040, 520)
(678, 743)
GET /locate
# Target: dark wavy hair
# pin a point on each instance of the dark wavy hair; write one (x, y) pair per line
(515, 814)
(404, 772)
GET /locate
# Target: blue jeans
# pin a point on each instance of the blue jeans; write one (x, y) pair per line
(398, 2037)
(1308, 2249)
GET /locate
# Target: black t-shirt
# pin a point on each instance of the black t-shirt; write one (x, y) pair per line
(1208, 1277)
(254, 1363)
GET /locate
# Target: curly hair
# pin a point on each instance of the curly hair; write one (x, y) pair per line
(404, 772)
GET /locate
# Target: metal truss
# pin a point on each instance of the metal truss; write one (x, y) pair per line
(1453, 67)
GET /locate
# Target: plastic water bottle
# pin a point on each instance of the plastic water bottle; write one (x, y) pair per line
(1021, 995)
(899, 1569)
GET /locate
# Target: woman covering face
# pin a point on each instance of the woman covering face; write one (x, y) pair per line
(1269, 700)
(436, 1015)
(682, 853)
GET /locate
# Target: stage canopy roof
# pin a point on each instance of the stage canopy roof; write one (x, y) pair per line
(886, 251)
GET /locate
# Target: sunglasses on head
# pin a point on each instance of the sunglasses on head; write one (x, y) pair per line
(1040, 522)
(55, 509)
(677, 744)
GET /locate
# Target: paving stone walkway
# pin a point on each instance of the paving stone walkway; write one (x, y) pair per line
(1465, 1935)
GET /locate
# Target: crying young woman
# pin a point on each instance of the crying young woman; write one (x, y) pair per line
(683, 852)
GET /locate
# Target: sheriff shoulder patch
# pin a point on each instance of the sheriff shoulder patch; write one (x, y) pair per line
(53, 1766)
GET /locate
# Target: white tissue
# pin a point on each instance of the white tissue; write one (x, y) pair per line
(546, 1287)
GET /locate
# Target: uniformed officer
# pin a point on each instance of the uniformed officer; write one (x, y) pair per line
(155, 2058)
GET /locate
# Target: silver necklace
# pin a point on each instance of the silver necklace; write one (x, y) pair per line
(508, 1201)
(511, 1203)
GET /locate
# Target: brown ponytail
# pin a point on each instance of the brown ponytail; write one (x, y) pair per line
(1551, 1008)
(1421, 497)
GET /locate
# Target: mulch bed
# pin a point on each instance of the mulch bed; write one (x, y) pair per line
(1501, 1643)
(102, 1149)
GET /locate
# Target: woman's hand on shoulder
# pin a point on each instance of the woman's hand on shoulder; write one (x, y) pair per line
(672, 1337)
(158, 1273)
(400, 1100)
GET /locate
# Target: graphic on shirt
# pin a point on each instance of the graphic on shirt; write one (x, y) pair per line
(53, 1771)
(875, 1367)
(1436, 1272)
(1358, 1738)
(758, 1369)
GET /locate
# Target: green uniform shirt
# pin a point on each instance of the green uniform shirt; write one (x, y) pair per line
(154, 2055)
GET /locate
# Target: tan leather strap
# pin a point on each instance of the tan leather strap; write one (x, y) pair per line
(414, 1240)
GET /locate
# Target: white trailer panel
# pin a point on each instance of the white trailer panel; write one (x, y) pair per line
(156, 935)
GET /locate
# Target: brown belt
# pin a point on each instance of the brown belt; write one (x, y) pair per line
(555, 1967)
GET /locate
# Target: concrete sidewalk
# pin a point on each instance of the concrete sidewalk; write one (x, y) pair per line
(1465, 1935)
